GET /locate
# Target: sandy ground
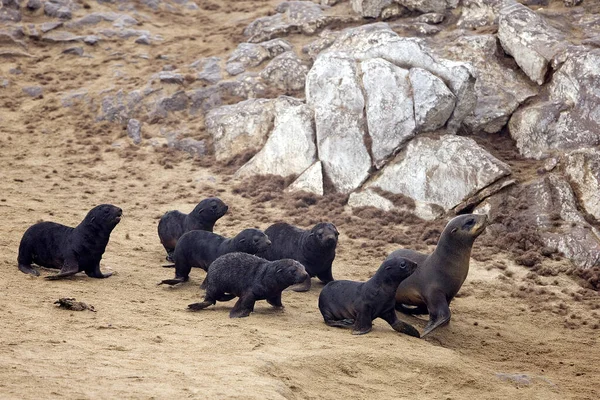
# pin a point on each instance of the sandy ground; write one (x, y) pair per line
(511, 335)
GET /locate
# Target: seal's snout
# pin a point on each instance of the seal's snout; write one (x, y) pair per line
(330, 240)
(268, 242)
(482, 222)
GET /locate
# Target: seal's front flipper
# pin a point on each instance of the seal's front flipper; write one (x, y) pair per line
(341, 323)
(302, 287)
(439, 312)
(69, 268)
(200, 306)
(96, 273)
(28, 269)
(243, 307)
(399, 326)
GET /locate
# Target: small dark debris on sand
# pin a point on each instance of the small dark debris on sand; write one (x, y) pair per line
(69, 303)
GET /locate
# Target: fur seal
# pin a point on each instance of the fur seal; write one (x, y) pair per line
(174, 223)
(315, 249)
(200, 248)
(250, 278)
(440, 275)
(355, 305)
(71, 250)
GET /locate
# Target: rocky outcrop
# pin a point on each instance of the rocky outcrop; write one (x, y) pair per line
(292, 16)
(253, 54)
(495, 103)
(390, 107)
(241, 127)
(478, 13)
(290, 149)
(440, 172)
(286, 72)
(310, 180)
(394, 8)
(547, 210)
(567, 118)
(533, 43)
(334, 92)
(582, 169)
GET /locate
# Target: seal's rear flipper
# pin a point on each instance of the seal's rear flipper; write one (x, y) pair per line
(407, 329)
(172, 281)
(169, 266)
(28, 269)
(60, 275)
(341, 323)
(200, 306)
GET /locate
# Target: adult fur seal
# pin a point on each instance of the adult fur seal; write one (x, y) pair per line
(315, 249)
(355, 305)
(200, 248)
(440, 275)
(71, 250)
(174, 223)
(250, 278)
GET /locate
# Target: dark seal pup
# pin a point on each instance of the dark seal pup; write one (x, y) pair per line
(440, 275)
(315, 249)
(71, 250)
(174, 223)
(250, 278)
(200, 248)
(355, 305)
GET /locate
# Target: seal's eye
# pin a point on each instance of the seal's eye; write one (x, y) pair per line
(470, 222)
(403, 265)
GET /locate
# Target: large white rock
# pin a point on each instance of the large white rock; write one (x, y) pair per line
(433, 101)
(582, 169)
(238, 128)
(390, 107)
(379, 41)
(441, 171)
(310, 180)
(286, 72)
(570, 118)
(333, 90)
(533, 43)
(290, 148)
(388, 8)
(369, 198)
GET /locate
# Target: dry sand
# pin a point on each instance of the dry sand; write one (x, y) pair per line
(56, 164)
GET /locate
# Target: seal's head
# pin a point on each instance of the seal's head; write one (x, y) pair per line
(290, 271)
(104, 216)
(251, 241)
(326, 234)
(210, 209)
(397, 269)
(465, 228)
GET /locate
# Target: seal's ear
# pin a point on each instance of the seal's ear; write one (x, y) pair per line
(242, 240)
(279, 270)
(200, 210)
(454, 230)
(92, 219)
(311, 234)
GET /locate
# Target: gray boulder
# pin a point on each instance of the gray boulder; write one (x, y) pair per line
(441, 172)
(334, 92)
(495, 102)
(582, 169)
(390, 108)
(567, 117)
(290, 148)
(310, 180)
(478, 13)
(433, 101)
(134, 130)
(286, 72)
(533, 43)
(241, 127)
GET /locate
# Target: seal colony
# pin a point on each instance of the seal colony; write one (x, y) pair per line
(72, 250)
(407, 281)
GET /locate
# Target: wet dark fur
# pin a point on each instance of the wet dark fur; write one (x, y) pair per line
(174, 224)
(250, 278)
(439, 275)
(315, 248)
(71, 250)
(200, 248)
(356, 304)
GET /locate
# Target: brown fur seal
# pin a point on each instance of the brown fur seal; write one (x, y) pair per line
(315, 249)
(174, 223)
(440, 275)
(250, 278)
(71, 250)
(355, 305)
